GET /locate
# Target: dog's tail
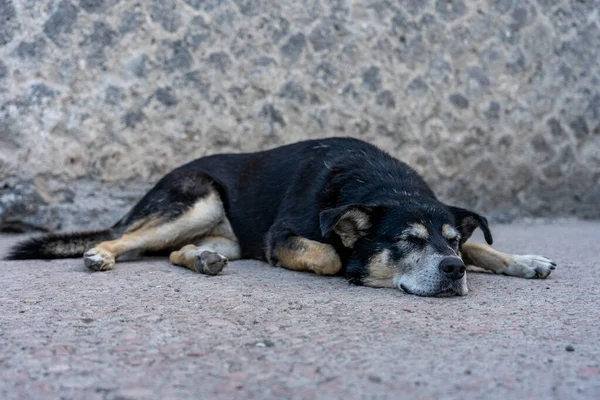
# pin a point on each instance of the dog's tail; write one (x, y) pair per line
(59, 245)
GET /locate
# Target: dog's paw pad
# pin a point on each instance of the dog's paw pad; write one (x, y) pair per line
(531, 266)
(210, 263)
(99, 260)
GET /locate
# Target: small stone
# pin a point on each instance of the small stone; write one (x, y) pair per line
(415, 7)
(292, 49)
(324, 35)
(540, 146)
(293, 91)
(459, 101)
(386, 99)
(439, 71)
(325, 75)
(579, 127)
(569, 348)
(547, 4)
(96, 6)
(264, 343)
(562, 19)
(196, 4)
(174, 56)
(417, 87)
(509, 34)
(371, 78)
(503, 6)
(139, 65)
(374, 379)
(478, 75)
(166, 96)
(131, 21)
(132, 118)
(450, 10)
(199, 32)
(61, 22)
(3, 70)
(114, 95)
(8, 21)
(555, 128)
(39, 93)
(196, 80)
(265, 61)
(32, 50)
(250, 8)
(165, 13)
(398, 20)
(220, 61)
(102, 36)
(593, 108)
(276, 28)
(519, 16)
(272, 114)
(493, 111)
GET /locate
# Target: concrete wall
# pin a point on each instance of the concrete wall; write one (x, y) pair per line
(497, 103)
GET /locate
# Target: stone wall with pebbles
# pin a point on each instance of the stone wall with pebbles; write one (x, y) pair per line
(496, 103)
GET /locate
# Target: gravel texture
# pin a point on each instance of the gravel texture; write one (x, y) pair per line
(152, 330)
(496, 102)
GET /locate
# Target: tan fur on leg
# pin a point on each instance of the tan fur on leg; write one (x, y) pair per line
(524, 266)
(301, 254)
(204, 216)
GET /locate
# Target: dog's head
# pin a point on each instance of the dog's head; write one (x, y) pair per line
(414, 246)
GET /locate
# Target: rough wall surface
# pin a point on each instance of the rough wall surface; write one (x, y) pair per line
(497, 103)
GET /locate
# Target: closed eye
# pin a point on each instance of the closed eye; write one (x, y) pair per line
(415, 240)
(453, 241)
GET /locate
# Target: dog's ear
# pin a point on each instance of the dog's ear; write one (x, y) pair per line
(348, 222)
(467, 221)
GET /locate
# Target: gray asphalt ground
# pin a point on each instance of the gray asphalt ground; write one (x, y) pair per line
(151, 330)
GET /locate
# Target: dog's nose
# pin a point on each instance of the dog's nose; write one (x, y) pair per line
(453, 268)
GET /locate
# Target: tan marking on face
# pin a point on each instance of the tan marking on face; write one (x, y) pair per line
(381, 270)
(416, 230)
(301, 254)
(449, 232)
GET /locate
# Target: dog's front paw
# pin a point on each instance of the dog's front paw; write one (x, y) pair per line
(210, 263)
(530, 266)
(99, 260)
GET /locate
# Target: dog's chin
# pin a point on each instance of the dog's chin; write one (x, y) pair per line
(458, 288)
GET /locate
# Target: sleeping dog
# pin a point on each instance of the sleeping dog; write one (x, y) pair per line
(330, 206)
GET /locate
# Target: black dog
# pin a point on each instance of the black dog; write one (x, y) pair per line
(330, 206)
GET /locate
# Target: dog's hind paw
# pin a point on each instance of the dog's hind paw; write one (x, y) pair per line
(210, 263)
(530, 266)
(99, 260)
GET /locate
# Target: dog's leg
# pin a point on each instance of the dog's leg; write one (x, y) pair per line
(157, 233)
(524, 266)
(209, 256)
(300, 254)
(212, 253)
